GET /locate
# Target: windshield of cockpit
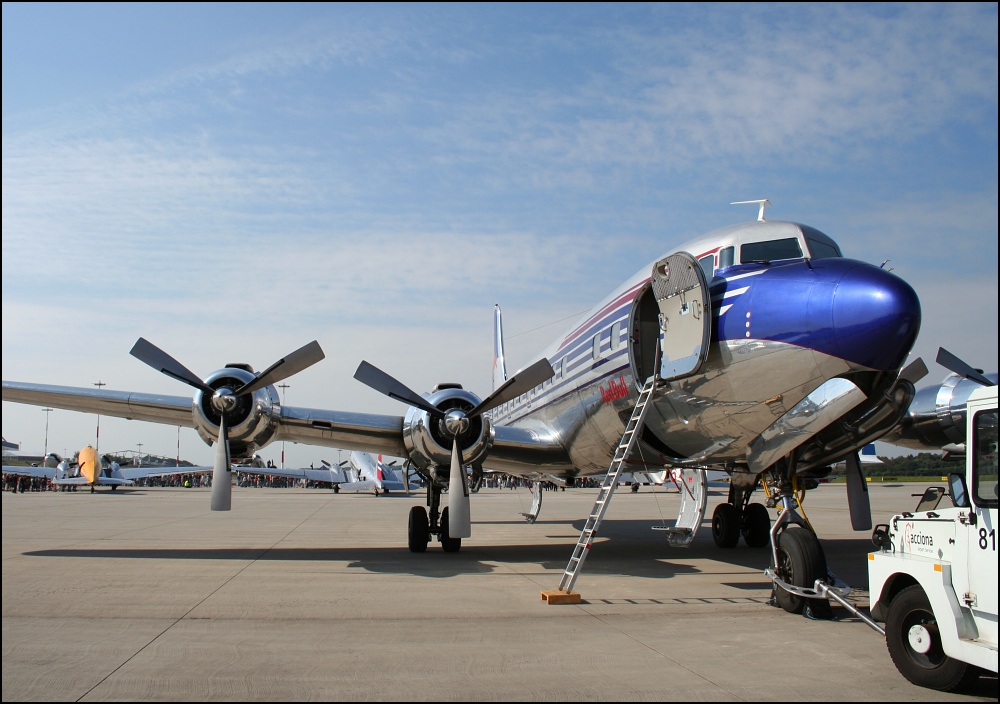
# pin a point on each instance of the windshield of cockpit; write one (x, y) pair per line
(820, 247)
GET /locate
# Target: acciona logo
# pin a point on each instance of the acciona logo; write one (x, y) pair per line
(913, 538)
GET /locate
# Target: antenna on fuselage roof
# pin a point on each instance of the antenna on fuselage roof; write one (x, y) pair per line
(762, 202)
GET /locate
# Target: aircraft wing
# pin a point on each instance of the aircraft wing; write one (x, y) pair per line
(516, 450)
(147, 472)
(156, 408)
(101, 481)
(25, 471)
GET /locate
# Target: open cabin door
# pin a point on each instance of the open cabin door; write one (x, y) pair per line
(674, 311)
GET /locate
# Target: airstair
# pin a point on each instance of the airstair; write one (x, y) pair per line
(693, 487)
(565, 595)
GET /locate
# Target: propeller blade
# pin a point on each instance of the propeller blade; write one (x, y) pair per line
(914, 371)
(857, 495)
(515, 386)
(147, 352)
(406, 478)
(222, 482)
(459, 522)
(300, 359)
(377, 379)
(952, 363)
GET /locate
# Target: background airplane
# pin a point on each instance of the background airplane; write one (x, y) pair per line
(756, 349)
(88, 470)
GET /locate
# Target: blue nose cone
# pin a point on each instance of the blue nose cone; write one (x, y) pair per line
(876, 317)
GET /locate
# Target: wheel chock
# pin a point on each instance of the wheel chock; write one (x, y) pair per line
(560, 596)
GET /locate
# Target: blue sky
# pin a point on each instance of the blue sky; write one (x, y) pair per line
(233, 181)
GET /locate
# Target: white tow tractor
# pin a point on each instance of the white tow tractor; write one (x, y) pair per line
(933, 580)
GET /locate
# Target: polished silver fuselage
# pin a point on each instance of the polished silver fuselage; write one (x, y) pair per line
(780, 330)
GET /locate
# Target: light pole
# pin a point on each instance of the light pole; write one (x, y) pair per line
(138, 459)
(99, 384)
(283, 386)
(47, 411)
(178, 464)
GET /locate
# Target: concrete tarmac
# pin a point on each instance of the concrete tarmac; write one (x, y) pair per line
(300, 594)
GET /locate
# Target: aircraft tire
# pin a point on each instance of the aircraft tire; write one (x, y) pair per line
(448, 544)
(756, 526)
(336, 488)
(726, 526)
(910, 617)
(418, 531)
(800, 562)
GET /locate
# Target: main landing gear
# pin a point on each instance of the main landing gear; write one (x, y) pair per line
(739, 517)
(423, 524)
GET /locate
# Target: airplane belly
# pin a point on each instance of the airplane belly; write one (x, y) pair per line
(745, 387)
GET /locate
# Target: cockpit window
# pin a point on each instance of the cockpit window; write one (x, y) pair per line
(820, 245)
(708, 266)
(726, 257)
(773, 250)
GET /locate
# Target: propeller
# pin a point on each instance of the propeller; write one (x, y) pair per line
(858, 501)
(224, 400)
(222, 483)
(456, 422)
(952, 363)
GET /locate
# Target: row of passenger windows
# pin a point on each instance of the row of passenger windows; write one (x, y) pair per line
(562, 367)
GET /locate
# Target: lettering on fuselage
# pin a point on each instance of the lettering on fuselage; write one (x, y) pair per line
(616, 389)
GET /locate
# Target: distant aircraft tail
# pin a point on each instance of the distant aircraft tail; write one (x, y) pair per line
(499, 366)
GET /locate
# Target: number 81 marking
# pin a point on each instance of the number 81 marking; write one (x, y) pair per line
(988, 540)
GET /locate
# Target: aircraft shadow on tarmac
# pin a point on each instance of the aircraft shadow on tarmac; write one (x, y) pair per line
(623, 547)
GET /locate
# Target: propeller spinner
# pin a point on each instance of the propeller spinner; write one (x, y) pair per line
(455, 422)
(225, 399)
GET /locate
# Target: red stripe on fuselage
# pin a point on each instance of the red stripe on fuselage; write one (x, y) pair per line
(628, 295)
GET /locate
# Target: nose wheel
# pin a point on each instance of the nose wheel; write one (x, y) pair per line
(800, 563)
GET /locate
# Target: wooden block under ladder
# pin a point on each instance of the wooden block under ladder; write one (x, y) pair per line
(559, 596)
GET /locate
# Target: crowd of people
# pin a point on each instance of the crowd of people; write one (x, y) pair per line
(19, 483)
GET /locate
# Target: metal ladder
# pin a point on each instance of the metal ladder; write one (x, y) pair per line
(608, 486)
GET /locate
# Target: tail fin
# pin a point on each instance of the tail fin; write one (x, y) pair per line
(499, 366)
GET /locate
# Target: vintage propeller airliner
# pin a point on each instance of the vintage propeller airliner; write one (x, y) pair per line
(770, 355)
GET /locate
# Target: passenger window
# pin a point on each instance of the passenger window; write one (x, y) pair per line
(771, 251)
(616, 336)
(708, 266)
(984, 473)
(597, 346)
(727, 257)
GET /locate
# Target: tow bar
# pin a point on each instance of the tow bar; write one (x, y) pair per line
(838, 591)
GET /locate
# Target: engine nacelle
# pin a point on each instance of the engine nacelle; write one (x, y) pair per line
(251, 424)
(429, 444)
(936, 417)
